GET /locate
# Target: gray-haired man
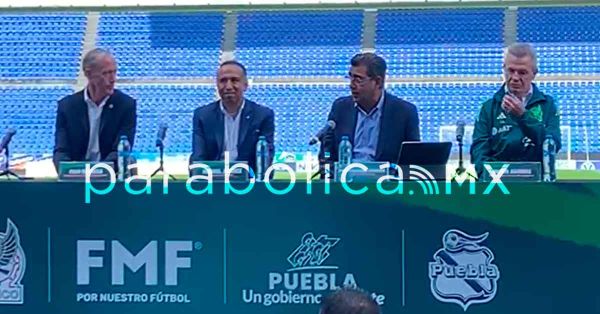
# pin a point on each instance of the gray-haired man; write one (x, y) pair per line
(90, 122)
(513, 124)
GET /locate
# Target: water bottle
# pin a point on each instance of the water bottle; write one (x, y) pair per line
(123, 151)
(262, 157)
(549, 160)
(327, 156)
(344, 153)
(326, 161)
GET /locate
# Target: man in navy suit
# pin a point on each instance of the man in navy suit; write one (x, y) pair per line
(232, 124)
(90, 122)
(375, 121)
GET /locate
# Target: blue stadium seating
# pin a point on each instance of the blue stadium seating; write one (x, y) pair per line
(298, 43)
(32, 112)
(465, 42)
(567, 39)
(40, 46)
(439, 104)
(578, 104)
(444, 103)
(440, 26)
(172, 104)
(301, 109)
(155, 45)
(568, 58)
(449, 61)
(559, 25)
(460, 42)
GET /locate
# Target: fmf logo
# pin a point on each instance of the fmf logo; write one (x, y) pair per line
(91, 254)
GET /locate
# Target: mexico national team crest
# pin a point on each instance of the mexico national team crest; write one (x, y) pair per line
(463, 271)
(12, 265)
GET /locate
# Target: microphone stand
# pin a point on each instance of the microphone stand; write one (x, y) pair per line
(161, 148)
(321, 172)
(7, 172)
(322, 162)
(461, 169)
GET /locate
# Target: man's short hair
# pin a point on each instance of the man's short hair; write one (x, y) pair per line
(91, 57)
(375, 64)
(349, 300)
(522, 50)
(236, 63)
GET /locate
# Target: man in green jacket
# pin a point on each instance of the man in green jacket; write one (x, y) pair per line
(513, 124)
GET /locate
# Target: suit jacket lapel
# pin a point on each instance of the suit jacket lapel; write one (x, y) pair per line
(108, 113)
(245, 120)
(219, 129)
(353, 119)
(85, 118)
(384, 125)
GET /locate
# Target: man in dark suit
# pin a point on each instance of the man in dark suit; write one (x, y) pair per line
(376, 122)
(90, 122)
(232, 124)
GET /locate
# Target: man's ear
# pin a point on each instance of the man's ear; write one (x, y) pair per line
(245, 84)
(86, 72)
(380, 81)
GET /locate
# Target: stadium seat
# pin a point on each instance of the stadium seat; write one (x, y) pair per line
(567, 39)
(298, 44)
(461, 42)
(41, 45)
(163, 45)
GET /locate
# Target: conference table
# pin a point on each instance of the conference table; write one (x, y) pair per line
(535, 249)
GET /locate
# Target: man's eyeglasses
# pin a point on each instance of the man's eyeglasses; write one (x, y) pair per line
(357, 79)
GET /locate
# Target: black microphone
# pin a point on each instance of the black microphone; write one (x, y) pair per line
(328, 127)
(6, 139)
(162, 133)
(460, 130)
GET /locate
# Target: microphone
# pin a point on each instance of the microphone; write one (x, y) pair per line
(328, 127)
(162, 133)
(6, 139)
(460, 130)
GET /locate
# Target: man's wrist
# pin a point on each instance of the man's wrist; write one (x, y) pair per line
(519, 117)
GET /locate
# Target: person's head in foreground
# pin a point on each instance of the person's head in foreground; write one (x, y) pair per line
(349, 300)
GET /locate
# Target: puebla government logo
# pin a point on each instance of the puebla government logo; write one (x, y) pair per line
(463, 271)
(12, 265)
(310, 277)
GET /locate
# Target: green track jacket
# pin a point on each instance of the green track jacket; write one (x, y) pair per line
(499, 136)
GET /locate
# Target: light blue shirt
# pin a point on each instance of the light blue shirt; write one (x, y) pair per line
(231, 130)
(94, 114)
(366, 135)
